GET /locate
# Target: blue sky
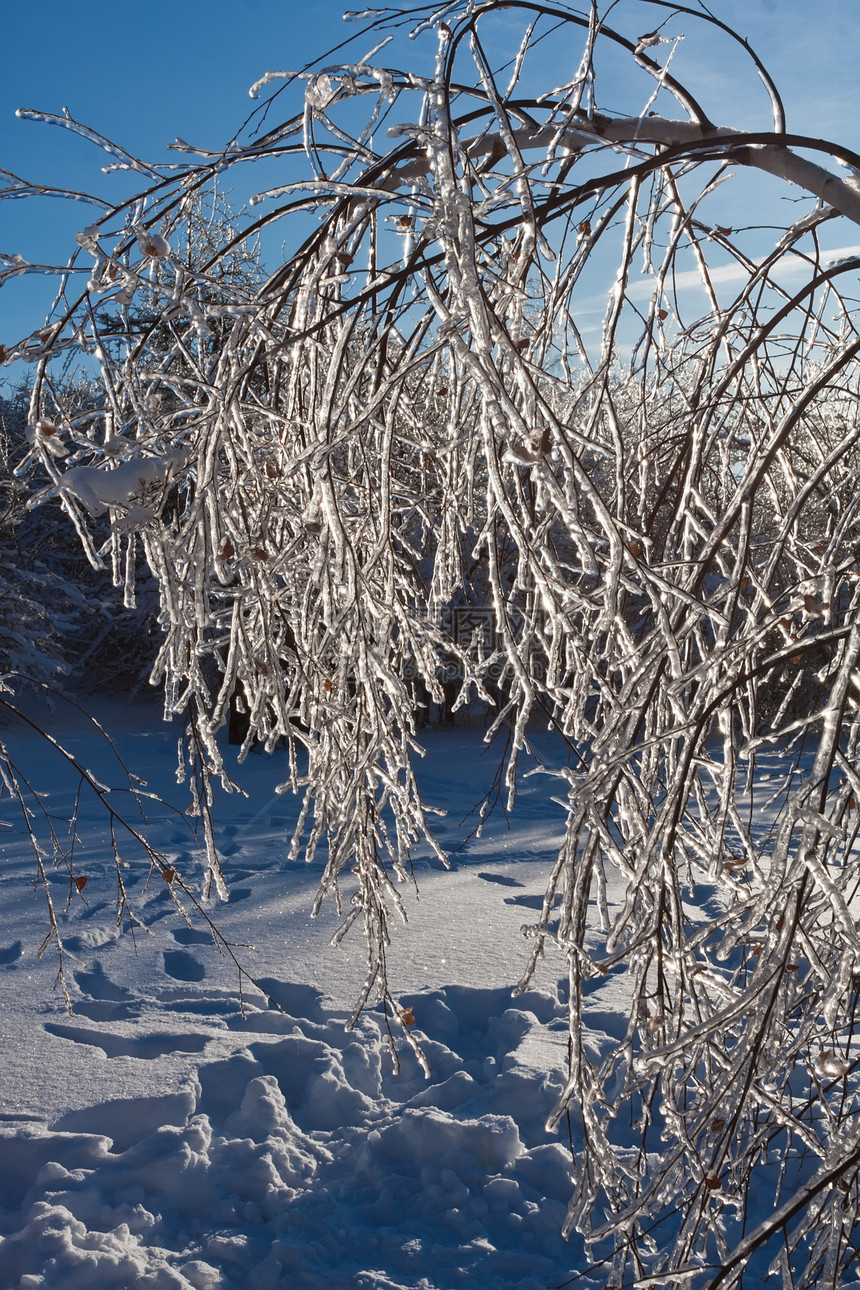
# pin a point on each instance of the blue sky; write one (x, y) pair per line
(142, 74)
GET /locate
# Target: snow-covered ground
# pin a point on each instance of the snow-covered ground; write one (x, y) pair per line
(159, 1137)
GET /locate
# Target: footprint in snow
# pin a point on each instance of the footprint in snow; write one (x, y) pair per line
(127, 1120)
(93, 938)
(191, 936)
(183, 966)
(147, 1047)
(99, 986)
(502, 879)
(11, 953)
(98, 1010)
(296, 1000)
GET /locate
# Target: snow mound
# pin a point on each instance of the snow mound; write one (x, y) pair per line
(301, 1160)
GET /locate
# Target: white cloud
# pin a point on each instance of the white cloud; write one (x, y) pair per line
(736, 273)
(722, 275)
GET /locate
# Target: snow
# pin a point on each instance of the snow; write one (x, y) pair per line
(100, 489)
(159, 1137)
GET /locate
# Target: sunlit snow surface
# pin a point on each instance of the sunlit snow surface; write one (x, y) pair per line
(159, 1138)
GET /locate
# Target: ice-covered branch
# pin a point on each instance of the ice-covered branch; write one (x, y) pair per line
(526, 429)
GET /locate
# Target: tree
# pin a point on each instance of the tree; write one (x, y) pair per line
(405, 450)
(58, 621)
